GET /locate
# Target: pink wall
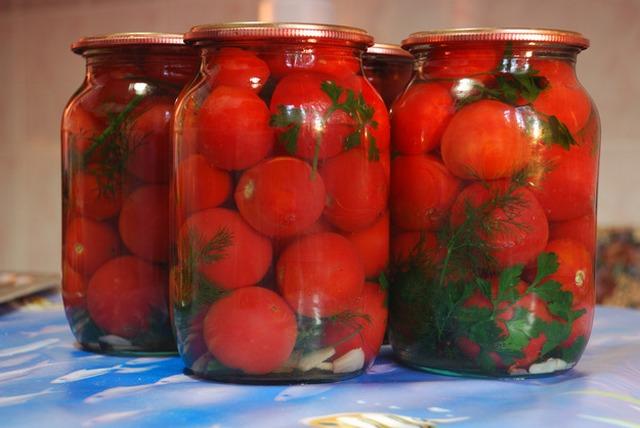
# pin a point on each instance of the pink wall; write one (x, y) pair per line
(39, 73)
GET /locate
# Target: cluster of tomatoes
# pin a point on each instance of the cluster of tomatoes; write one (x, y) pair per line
(461, 159)
(116, 161)
(261, 159)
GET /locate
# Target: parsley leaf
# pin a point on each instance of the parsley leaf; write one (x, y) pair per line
(290, 118)
(556, 132)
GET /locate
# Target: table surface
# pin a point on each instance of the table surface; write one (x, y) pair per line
(44, 375)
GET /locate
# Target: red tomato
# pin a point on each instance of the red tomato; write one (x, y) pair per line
(200, 185)
(518, 230)
(74, 286)
(124, 294)
(88, 244)
(80, 126)
(569, 102)
(455, 62)
(233, 128)
(422, 191)
(303, 91)
(409, 246)
(150, 141)
(419, 118)
(281, 196)
(144, 223)
(363, 328)
(486, 140)
(244, 261)
(251, 329)
(239, 67)
(575, 271)
(320, 275)
(581, 229)
(333, 63)
(580, 327)
(556, 71)
(357, 190)
(319, 226)
(372, 244)
(108, 95)
(88, 199)
(568, 189)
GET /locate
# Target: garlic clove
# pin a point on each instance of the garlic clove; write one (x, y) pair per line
(350, 362)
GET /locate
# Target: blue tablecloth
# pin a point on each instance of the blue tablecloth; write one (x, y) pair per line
(45, 380)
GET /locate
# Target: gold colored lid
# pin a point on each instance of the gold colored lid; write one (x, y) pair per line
(126, 39)
(389, 50)
(279, 31)
(455, 35)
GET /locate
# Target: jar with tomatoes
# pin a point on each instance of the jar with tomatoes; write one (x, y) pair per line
(281, 169)
(116, 160)
(493, 204)
(389, 69)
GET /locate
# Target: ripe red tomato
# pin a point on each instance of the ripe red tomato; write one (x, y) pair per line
(285, 62)
(419, 118)
(281, 196)
(149, 138)
(200, 185)
(123, 295)
(575, 270)
(233, 128)
(244, 261)
(581, 229)
(422, 191)
(569, 102)
(556, 71)
(303, 91)
(251, 329)
(80, 126)
(486, 140)
(88, 244)
(517, 230)
(320, 275)
(408, 246)
(88, 199)
(74, 286)
(144, 223)
(456, 62)
(568, 189)
(372, 244)
(108, 95)
(363, 327)
(238, 67)
(357, 190)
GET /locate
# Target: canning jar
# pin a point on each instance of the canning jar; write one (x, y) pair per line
(115, 175)
(281, 152)
(493, 204)
(388, 68)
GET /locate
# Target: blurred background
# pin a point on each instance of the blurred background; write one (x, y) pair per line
(38, 74)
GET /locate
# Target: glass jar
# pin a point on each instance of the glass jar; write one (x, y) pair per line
(389, 69)
(281, 152)
(115, 175)
(493, 204)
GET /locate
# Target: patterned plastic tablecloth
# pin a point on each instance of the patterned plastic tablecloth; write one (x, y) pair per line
(46, 379)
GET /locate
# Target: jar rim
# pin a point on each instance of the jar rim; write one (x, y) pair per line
(490, 34)
(389, 49)
(279, 31)
(126, 39)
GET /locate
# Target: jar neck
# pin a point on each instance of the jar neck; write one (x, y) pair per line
(294, 55)
(177, 63)
(507, 57)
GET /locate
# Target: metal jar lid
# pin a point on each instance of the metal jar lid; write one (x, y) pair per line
(279, 31)
(126, 39)
(385, 49)
(456, 35)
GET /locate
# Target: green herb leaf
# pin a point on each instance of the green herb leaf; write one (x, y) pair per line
(547, 264)
(509, 279)
(290, 118)
(556, 132)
